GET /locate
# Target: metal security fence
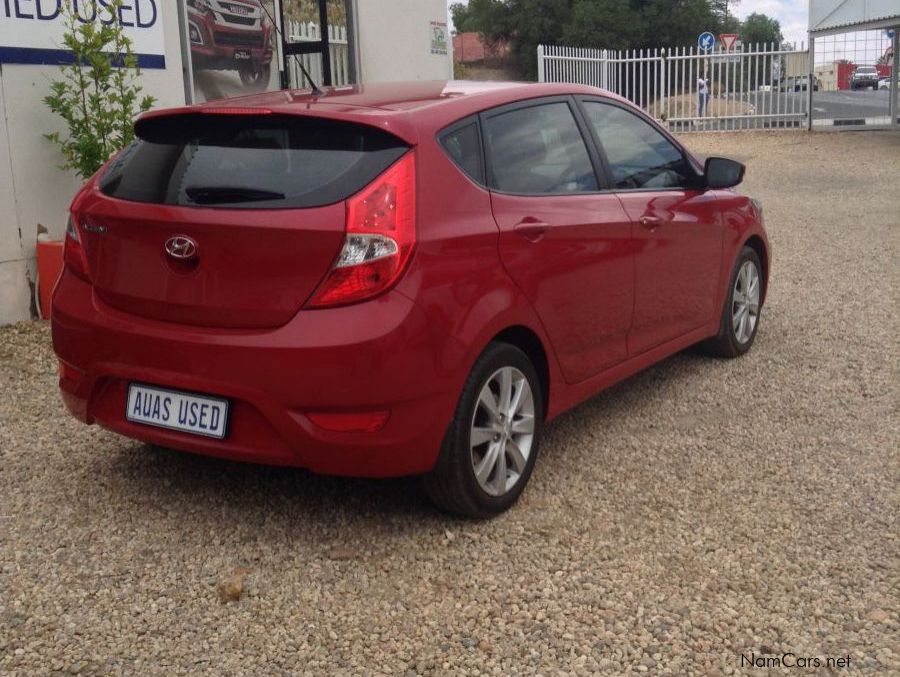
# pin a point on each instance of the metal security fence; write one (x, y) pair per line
(759, 86)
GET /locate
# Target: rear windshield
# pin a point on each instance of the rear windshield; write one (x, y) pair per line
(249, 162)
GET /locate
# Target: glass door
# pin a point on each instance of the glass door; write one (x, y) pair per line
(316, 34)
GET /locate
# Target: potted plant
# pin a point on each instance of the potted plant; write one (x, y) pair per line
(98, 96)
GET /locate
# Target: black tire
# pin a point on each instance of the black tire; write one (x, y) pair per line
(255, 75)
(726, 343)
(452, 485)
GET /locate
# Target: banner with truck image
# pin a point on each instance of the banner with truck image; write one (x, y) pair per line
(232, 46)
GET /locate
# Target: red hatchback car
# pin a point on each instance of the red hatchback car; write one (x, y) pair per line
(395, 279)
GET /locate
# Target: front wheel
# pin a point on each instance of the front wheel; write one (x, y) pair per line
(255, 75)
(741, 314)
(492, 443)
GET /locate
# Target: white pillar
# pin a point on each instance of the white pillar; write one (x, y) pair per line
(895, 74)
(540, 58)
(810, 83)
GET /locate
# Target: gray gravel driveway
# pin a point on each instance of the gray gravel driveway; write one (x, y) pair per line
(701, 510)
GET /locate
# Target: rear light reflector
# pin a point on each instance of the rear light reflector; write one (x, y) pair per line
(73, 251)
(381, 234)
(350, 422)
(69, 373)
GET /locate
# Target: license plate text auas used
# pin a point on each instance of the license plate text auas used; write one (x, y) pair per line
(174, 410)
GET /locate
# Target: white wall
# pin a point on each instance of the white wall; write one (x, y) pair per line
(394, 40)
(394, 43)
(33, 190)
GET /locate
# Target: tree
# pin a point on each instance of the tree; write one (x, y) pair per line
(670, 23)
(459, 15)
(97, 96)
(612, 24)
(531, 23)
(761, 29)
(488, 17)
(723, 8)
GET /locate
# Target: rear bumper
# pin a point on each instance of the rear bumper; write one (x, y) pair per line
(374, 356)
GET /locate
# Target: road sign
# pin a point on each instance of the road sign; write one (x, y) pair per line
(728, 40)
(706, 41)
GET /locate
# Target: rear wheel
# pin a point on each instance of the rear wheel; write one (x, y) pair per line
(740, 316)
(492, 443)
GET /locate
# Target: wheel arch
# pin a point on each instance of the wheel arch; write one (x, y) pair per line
(526, 340)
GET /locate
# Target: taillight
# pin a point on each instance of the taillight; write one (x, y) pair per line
(381, 234)
(73, 251)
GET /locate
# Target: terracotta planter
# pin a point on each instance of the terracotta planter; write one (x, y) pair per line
(49, 265)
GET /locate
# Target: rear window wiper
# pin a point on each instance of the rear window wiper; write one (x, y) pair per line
(209, 195)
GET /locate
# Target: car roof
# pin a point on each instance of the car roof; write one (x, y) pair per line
(407, 109)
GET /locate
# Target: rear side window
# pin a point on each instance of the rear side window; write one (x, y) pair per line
(539, 150)
(250, 162)
(464, 148)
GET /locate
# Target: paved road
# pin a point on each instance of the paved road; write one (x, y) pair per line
(771, 107)
(833, 105)
(847, 104)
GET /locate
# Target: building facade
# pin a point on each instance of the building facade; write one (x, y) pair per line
(189, 51)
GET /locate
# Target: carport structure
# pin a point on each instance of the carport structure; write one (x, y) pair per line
(837, 17)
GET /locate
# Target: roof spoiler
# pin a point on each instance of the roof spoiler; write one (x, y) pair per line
(163, 126)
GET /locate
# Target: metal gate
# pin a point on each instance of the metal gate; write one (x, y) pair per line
(761, 86)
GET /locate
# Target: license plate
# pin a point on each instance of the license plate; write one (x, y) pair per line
(242, 55)
(176, 410)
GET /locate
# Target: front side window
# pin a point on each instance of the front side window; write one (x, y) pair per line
(638, 155)
(539, 150)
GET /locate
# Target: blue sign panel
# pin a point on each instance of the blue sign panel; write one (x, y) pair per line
(31, 31)
(706, 41)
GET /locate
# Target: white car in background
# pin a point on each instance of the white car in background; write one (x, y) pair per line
(885, 83)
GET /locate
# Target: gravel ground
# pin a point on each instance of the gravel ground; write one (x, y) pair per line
(698, 511)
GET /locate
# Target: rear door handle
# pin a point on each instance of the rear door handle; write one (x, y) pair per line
(531, 230)
(650, 222)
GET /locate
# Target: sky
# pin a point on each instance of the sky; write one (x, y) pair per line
(792, 14)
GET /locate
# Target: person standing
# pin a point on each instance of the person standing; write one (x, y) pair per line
(702, 95)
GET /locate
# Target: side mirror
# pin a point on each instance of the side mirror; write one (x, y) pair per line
(721, 173)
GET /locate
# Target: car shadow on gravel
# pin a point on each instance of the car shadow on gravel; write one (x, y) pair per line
(146, 475)
(168, 475)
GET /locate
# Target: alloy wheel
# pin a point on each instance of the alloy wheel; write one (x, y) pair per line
(502, 431)
(745, 302)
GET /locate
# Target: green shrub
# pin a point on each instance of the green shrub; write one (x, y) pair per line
(98, 94)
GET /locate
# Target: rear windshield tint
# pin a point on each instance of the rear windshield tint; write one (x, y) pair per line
(249, 162)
